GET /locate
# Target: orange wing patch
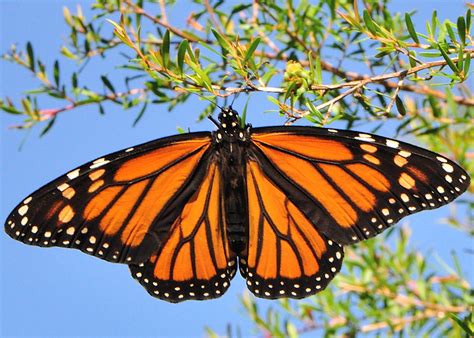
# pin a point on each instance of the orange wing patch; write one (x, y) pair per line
(286, 255)
(194, 261)
(108, 208)
(301, 172)
(309, 146)
(158, 159)
(350, 185)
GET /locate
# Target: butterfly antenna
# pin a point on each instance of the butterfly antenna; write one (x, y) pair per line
(233, 100)
(213, 120)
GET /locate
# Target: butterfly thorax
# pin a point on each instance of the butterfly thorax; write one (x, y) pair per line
(232, 141)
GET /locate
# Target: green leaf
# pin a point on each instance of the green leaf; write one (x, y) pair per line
(460, 62)
(468, 20)
(369, 22)
(31, 56)
(107, 83)
(165, 49)
(140, 114)
(243, 117)
(462, 30)
(462, 324)
(74, 80)
(181, 54)
(450, 31)
(448, 60)
(434, 106)
(400, 106)
(48, 126)
(291, 330)
(253, 46)
(411, 28)
(226, 46)
(467, 64)
(434, 23)
(273, 100)
(56, 73)
(10, 110)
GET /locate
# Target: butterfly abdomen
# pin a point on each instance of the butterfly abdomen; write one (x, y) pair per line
(232, 166)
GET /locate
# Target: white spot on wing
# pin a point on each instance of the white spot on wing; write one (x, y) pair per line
(72, 175)
(99, 162)
(447, 167)
(392, 143)
(22, 210)
(404, 153)
(63, 186)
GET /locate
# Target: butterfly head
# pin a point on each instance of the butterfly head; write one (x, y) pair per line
(230, 127)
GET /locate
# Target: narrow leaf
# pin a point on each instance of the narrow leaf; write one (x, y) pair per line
(253, 46)
(462, 324)
(411, 28)
(467, 64)
(369, 22)
(56, 73)
(74, 80)
(468, 20)
(10, 110)
(181, 54)
(400, 106)
(140, 114)
(243, 117)
(107, 83)
(448, 60)
(450, 31)
(31, 56)
(48, 126)
(226, 46)
(165, 49)
(462, 30)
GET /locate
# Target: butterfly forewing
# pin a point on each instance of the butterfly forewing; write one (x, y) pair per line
(353, 185)
(194, 261)
(108, 208)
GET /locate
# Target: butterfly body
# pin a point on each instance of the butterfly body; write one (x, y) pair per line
(276, 203)
(232, 142)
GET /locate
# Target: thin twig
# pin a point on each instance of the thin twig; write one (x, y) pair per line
(138, 10)
(163, 11)
(212, 16)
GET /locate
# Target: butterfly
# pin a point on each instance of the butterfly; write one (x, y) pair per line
(278, 203)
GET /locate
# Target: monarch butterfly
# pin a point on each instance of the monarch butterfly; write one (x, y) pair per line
(278, 202)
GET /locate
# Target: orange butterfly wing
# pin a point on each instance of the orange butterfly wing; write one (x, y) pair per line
(194, 261)
(351, 185)
(286, 255)
(119, 207)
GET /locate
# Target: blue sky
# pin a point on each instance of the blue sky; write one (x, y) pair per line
(57, 292)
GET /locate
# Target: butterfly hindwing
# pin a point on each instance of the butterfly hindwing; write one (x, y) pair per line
(353, 185)
(286, 255)
(115, 207)
(194, 261)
